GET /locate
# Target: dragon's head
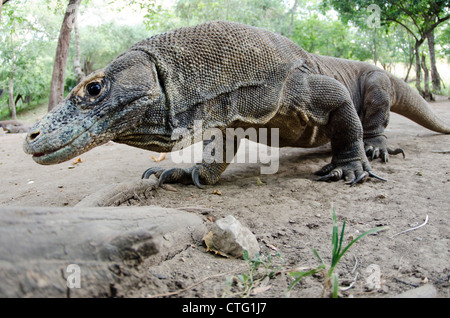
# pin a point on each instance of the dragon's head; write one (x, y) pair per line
(104, 106)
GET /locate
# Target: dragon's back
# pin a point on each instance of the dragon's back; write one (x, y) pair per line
(197, 64)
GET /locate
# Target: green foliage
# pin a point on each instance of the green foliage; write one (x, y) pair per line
(443, 40)
(415, 15)
(23, 54)
(101, 44)
(271, 14)
(331, 38)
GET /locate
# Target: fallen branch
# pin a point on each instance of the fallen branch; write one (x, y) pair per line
(412, 229)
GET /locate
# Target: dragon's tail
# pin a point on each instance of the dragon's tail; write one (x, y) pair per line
(407, 102)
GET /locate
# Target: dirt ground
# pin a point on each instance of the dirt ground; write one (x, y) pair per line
(289, 213)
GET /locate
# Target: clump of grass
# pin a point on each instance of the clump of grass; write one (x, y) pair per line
(259, 269)
(331, 283)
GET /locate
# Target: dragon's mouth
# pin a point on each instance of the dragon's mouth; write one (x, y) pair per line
(55, 156)
(51, 154)
(43, 156)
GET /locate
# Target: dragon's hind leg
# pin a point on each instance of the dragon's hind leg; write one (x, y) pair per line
(324, 101)
(374, 116)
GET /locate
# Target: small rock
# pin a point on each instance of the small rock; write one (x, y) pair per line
(232, 238)
(426, 291)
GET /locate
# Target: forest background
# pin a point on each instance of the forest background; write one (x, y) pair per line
(48, 46)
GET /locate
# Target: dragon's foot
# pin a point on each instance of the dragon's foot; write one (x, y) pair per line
(376, 147)
(175, 175)
(353, 172)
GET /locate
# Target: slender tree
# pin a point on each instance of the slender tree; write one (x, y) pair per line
(12, 105)
(62, 52)
(435, 77)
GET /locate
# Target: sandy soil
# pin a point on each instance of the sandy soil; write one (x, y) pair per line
(289, 212)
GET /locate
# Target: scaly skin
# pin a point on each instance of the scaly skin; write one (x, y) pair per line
(230, 75)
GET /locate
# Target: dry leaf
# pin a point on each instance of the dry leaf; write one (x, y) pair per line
(78, 160)
(210, 247)
(259, 290)
(217, 192)
(161, 157)
(168, 187)
(271, 247)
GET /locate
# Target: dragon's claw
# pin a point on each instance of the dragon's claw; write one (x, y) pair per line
(154, 170)
(175, 175)
(353, 172)
(376, 147)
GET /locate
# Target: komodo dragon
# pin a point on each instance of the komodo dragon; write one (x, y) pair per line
(231, 75)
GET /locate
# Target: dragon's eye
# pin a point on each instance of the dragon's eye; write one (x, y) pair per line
(94, 89)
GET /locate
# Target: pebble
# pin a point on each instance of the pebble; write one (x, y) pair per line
(232, 238)
(425, 291)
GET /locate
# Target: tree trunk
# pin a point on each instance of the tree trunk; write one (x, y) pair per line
(411, 60)
(426, 78)
(418, 68)
(62, 51)
(12, 105)
(76, 62)
(435, 77)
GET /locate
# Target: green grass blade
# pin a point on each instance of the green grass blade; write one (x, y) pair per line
(342, 237)
(335, 285)
(318, 256)
(334, 238)
(333, 215)
(299, 275)
(375, 229)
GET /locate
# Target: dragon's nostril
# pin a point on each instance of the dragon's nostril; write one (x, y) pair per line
(34, 135)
